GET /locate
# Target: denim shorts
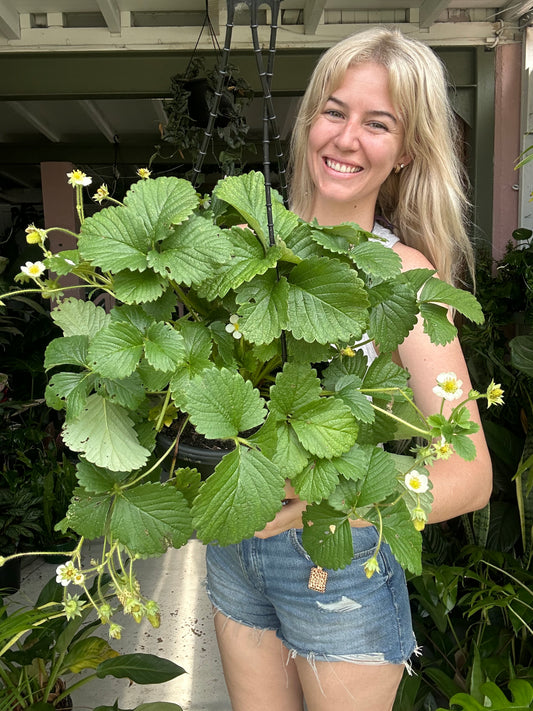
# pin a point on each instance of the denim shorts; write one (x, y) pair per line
(262, 583)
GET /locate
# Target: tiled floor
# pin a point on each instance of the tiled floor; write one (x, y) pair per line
(186, 635)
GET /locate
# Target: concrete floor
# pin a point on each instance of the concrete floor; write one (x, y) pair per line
(186, 635)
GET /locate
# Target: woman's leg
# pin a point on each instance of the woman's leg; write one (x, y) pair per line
(258, 672)
(343, 686)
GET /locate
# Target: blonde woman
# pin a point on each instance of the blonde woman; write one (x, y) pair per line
(374, 136)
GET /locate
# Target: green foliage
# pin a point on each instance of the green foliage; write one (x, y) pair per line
(252, 343)
(43, 650)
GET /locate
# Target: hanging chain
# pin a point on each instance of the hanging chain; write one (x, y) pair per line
(270, 127)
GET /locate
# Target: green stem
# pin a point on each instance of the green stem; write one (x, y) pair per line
(161, 418)
(79, 203)
(426, 433)
(53, 676)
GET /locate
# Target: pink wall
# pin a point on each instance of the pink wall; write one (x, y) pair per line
(506, 145)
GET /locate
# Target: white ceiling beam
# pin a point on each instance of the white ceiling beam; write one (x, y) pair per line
(213, 10)
(9, 20)
(34, 120)
(430, 11)
(111, 12)
(313, 10)
(99, 119)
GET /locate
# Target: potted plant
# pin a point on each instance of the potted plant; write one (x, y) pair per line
(47, 650)
(188, 108)
(261, 357)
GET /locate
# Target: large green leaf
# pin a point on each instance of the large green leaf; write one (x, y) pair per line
(128, 392)
(496, 699)
(289, 456)
(440, 292)
(163, 347)
(190, 255)
(97, 480)
(376, 259)
(150, 518)
(221, 404)
(248, 259)
(263, 308)
(338, 239)
(240, 498)
(393, 313)
(138, 287)
(140, 668)
(72, 387)
(79, 318)
(87, 513)
(68, 350)
(316, 481)
(436, 323)
(522, 353)
(87, 654)
(348, 389)
(296, 387)
(115, 351)
(325, 428)
(246, 193)
(404, 540)
(327, 536)
(162, 202)
(302, 243)
(105, 433)
(384, 371)
(115, 239)
(327, 302)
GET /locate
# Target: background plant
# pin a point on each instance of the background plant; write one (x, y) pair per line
(47, 652)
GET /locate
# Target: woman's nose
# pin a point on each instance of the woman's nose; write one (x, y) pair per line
(348, 136)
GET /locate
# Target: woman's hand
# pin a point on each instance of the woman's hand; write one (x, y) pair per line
(290, 515)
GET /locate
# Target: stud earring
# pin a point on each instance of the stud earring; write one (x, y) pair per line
(399, 167)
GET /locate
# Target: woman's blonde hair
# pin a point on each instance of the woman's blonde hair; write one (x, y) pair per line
(426, 200)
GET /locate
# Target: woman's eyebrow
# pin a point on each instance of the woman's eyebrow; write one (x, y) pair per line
(376, 112)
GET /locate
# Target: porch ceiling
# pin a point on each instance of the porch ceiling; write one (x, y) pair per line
(85, 79)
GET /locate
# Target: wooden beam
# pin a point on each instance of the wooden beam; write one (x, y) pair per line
(9, 20)
(430, 10)
(313, 10)
(99, 119)
(32, 118)
(111, 12)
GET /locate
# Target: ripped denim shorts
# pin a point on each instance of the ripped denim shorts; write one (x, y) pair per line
(262, 583)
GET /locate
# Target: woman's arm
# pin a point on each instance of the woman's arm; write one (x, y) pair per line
(458, 486)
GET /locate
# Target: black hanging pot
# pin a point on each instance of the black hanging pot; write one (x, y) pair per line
(204, 458)
(10, 577)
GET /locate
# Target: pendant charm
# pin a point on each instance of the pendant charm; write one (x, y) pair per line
(318, 578)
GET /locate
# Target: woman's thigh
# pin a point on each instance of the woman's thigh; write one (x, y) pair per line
(343, 686)
(259, 673)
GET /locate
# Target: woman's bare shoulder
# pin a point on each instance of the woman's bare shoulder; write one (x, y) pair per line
(411, 257)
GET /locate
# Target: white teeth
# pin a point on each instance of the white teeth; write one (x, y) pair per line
(341, 167)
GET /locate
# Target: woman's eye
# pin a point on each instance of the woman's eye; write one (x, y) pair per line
(377, 124)
(333, 113)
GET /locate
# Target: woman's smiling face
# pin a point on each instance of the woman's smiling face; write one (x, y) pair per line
(353, 146)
